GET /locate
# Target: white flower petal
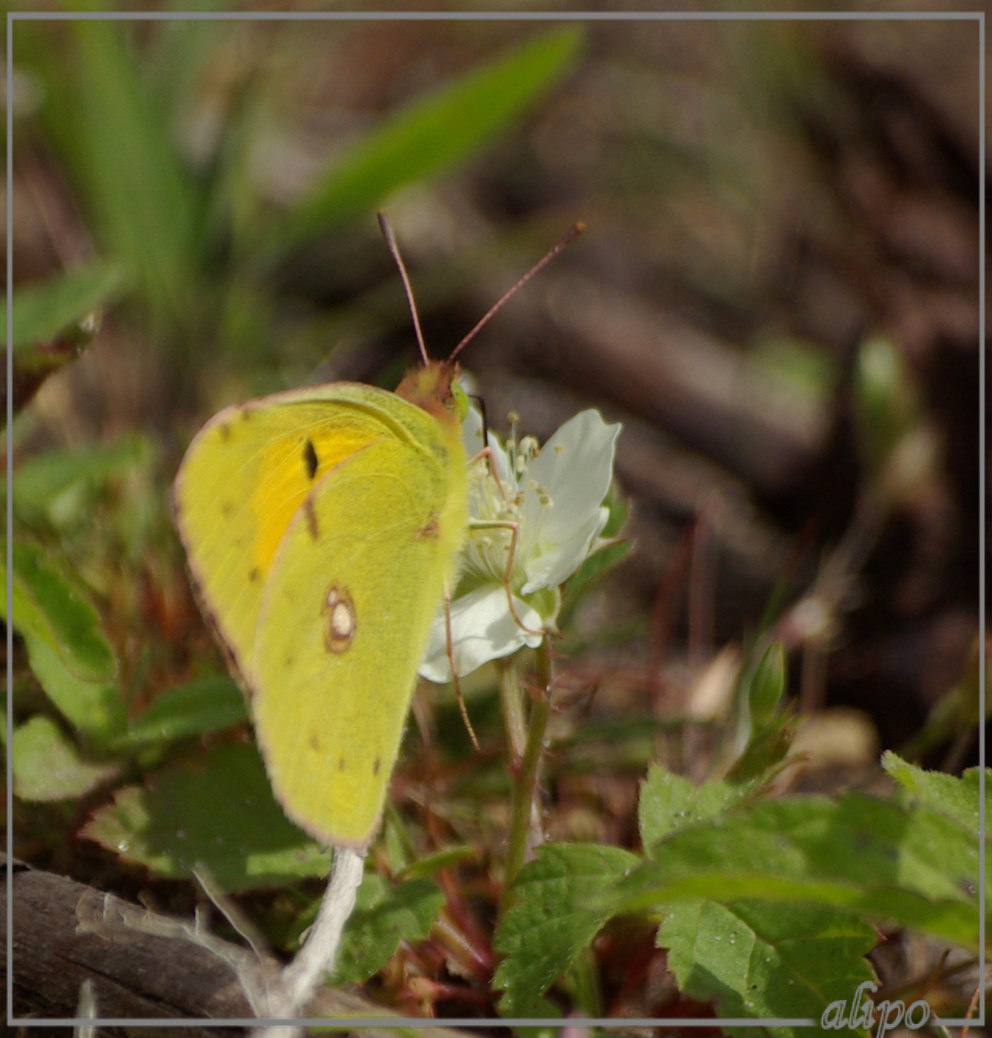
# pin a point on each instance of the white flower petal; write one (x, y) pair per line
(482, 629)
(553, 567)
(472, 428)
(472, 432)
(574, 470)
(576, 464)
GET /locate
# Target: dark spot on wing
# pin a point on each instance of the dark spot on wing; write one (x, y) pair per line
(431, 528)
(376, 766)
(310, 459)
(311, 515)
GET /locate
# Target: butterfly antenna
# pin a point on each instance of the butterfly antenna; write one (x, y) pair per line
(570, 235)
(387, 233)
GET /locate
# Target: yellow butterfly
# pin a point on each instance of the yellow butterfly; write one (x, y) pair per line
(323, 528)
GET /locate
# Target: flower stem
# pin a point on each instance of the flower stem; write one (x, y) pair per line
(514, 716)
(526, 829)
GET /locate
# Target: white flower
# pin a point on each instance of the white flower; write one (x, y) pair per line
(552, 498)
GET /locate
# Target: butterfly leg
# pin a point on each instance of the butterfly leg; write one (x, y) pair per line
(450, 645)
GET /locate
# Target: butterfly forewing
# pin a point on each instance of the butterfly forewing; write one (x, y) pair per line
(322, 528)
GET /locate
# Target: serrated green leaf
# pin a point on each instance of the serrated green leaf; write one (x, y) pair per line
(958, 798)
(216, 811)
(766, 961)
(51, 607)
(432, 133)
(670, 802)
(385, 915)
(551, 920)
(186, 711)
(48, 766)
(871, 858)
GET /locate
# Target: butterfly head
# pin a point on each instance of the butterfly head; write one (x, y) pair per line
(434, 387)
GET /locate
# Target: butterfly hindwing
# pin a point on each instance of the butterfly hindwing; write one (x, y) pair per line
(344, 622)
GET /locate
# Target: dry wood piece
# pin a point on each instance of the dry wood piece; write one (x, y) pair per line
(66, 933)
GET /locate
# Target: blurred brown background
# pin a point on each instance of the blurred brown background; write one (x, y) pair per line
(762, 200)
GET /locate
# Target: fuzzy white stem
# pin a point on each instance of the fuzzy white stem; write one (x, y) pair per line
(299, 979)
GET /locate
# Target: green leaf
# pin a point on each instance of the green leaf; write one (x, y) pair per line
(207, 705)
(959, 798)
(60, 488)
(761, 960)
(55, 610)
(766, 749)
(48, 766)
(385, 915)
(671, 802)
(94, 707)
(552, 918)
(55, 308)
(53, 321)
(432, 134)
(871, 858)
(446, 858)
(216, 811)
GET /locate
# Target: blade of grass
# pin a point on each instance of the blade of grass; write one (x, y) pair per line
(428, 135)
(144, 201)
